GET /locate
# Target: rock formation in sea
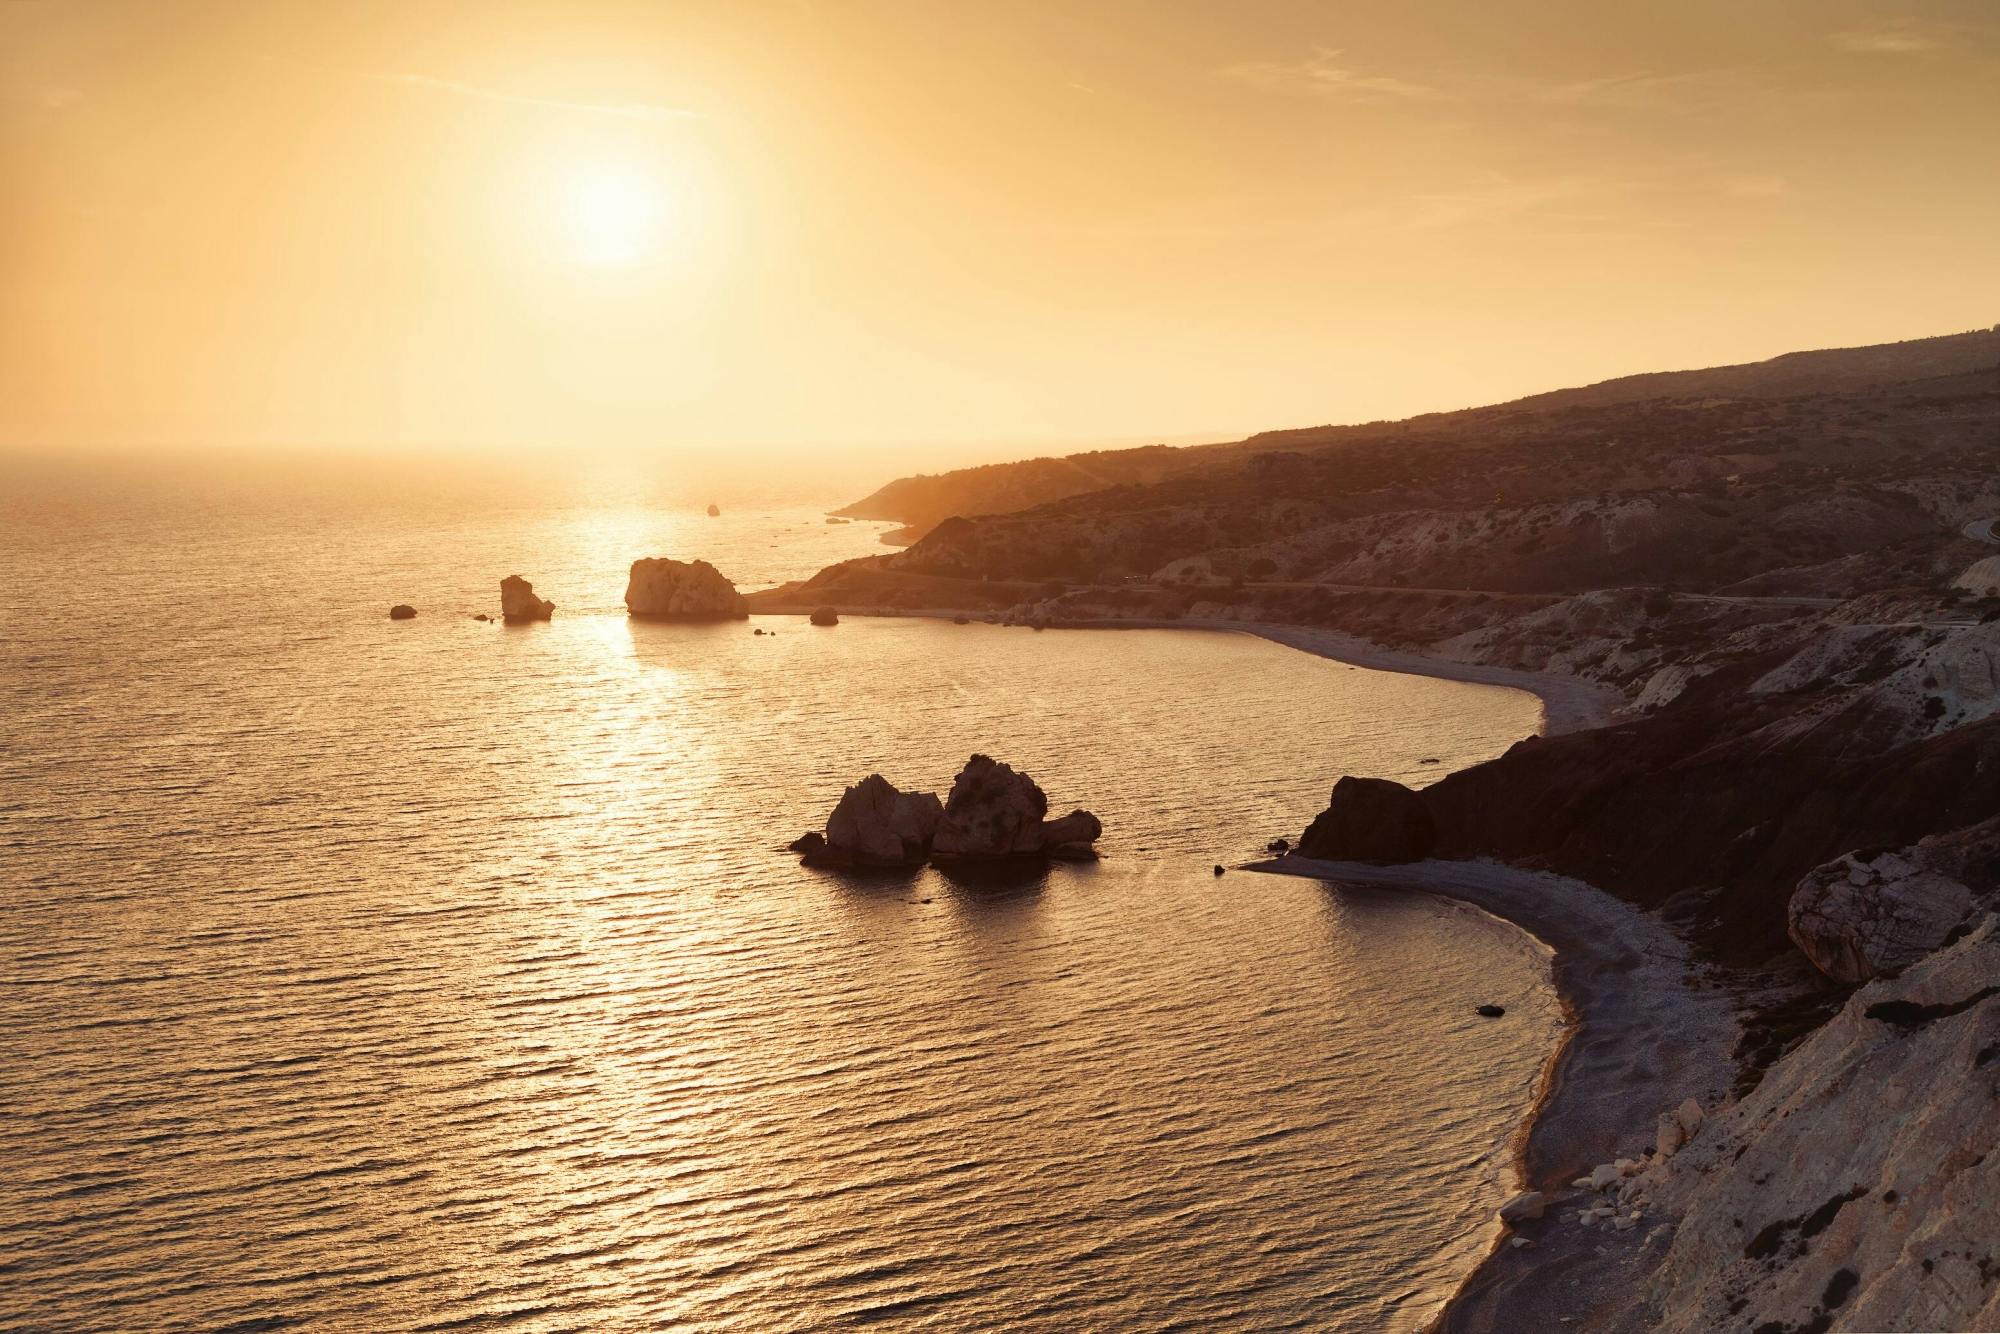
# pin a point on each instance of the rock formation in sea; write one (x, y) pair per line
(1370, 820)
(671, 590)
(994, 811)
(876, 825)
(518, 603)
(402, 611)
(825, 616)
(994, 814)
(713, 511)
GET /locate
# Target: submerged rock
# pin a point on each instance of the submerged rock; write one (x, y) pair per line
(402, 611)
(1371, 820)
(1873, 915)
(518, 603)
(662, 589)
(826, 616)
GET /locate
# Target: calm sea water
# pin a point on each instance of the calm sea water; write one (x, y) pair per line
(428, 975)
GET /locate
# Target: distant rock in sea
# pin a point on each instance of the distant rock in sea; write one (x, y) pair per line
(994, 814)
(402, 611)
(518, 603)
(826, 616)
(713, 512)
(1371, 820)
(832, 520)
(672, 590)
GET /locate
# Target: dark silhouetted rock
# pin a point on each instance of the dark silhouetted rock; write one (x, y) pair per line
(482, 616)
(1490, 1011)
(1371, 820)
(1278, 845)
(995, 812)
(826, 616)
(671, 590)
(876, 825)
(402, 611)
(518, 603)
(1218, 870)
(812, 844)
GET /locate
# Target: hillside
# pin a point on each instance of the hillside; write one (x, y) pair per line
(1727, 395)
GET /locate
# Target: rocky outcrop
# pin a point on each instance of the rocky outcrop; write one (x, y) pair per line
(671, 590)
(1858, 1187)
(995, 812)
(1371, 820)
(825, 616)
(1981, 578)
(1873, 914)
(518, 603)
(402, 611)
(876, 825)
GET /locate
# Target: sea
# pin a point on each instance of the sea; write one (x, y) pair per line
(360, 974)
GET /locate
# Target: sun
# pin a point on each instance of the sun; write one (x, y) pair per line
(614, 213)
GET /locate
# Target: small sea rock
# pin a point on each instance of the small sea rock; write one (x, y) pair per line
(1490, 1011)
(402, 611)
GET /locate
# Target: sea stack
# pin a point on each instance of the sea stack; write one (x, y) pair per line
(994, 814)
(825, 616)
(518, 603)
(670, 590)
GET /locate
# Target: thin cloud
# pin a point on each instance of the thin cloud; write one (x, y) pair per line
(1323, 75)
(1900, 38)
(646, 111)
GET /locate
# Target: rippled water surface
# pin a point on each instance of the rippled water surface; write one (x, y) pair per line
(373, 975)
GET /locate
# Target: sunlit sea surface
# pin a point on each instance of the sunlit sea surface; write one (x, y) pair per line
(434, 975)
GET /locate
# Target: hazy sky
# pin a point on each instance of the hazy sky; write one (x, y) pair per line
(554, 222)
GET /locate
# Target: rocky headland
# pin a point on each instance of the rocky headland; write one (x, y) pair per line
(1776, 758)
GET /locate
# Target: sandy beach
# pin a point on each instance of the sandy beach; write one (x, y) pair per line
(1644, 1032)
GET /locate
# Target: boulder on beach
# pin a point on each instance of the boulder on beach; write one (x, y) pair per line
(1525, 1207)
(671, 590)
(1870, 915)
(518, 603)
(826, 616)
(402, 611)
(1371, 820)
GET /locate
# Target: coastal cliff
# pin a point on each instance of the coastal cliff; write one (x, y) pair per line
(1780, 571)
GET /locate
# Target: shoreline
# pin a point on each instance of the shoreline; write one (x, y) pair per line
(1569, 703)
(1638, 1039)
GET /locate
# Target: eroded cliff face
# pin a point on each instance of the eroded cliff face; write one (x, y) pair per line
(1858, 1187)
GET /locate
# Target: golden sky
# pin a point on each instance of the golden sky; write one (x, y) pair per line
(986, 227)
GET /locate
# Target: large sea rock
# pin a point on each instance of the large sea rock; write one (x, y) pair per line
(1873, 915)
(1371, 820)
(518, 603)
(672, 590)
(995, 812)
(874, 824)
